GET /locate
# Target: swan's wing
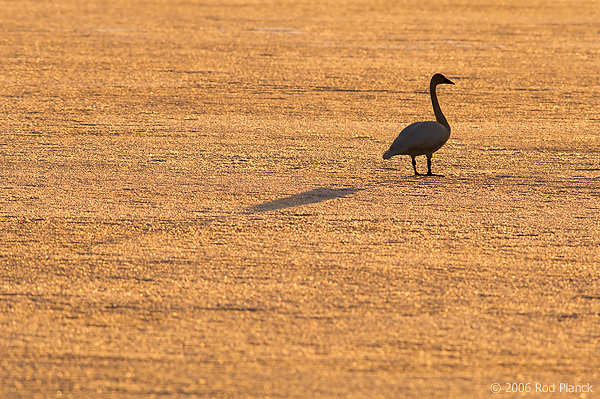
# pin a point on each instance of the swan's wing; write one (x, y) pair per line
(420, 138)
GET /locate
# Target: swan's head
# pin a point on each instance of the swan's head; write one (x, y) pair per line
(439, 79)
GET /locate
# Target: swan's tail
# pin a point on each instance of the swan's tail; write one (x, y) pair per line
(388, 154)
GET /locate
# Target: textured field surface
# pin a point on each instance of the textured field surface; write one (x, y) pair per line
(193, 201)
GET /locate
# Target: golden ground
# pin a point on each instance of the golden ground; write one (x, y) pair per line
(194, 204)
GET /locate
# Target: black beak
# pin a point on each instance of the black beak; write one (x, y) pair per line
(449, 81)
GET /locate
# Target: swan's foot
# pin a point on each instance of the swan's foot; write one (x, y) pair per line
(429, 173)
(434, 174)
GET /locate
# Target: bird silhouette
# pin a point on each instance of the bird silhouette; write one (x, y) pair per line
(423, 138)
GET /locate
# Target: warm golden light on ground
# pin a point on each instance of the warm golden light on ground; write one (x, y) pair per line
(194, 201)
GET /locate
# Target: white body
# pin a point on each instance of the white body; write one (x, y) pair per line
(419, 138)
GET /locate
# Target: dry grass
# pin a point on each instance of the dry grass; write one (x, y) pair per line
(194, 204)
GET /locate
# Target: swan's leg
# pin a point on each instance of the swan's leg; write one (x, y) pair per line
(429, 166)
(414, 163)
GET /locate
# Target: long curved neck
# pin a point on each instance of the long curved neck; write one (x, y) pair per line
(439, 116)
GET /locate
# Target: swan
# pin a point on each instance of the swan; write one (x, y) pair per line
(423, 138)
